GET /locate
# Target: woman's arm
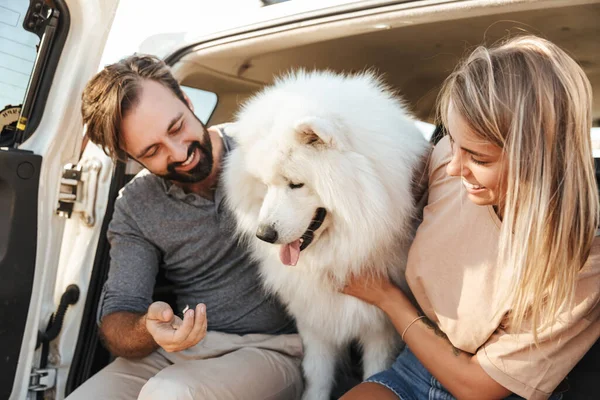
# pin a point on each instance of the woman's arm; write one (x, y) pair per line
(457, 371)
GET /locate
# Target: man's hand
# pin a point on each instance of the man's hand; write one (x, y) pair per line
(171, 332)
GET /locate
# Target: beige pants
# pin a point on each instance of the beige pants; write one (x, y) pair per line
(221, 367)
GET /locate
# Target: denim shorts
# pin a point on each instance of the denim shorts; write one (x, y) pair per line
(410, 380)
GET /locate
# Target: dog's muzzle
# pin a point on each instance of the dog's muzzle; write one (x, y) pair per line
(267, 233)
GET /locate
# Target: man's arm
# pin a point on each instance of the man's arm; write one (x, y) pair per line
(134, 263)
(125, 335)
(132, 335)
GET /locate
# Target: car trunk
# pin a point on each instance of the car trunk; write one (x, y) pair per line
(414, 44)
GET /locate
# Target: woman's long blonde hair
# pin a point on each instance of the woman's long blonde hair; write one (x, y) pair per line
(531, 99)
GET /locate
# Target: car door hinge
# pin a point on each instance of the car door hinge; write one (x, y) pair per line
(78, 190)
(38, 16)
(42, 379)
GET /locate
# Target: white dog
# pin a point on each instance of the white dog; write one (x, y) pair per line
(320, 183)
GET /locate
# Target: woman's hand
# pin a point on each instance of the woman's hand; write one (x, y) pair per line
(373, 289)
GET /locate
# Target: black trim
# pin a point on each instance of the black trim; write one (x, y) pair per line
(19, 181)
(438, 134)
(90, 356)
(42, 87)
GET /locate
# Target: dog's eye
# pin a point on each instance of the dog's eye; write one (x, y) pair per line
(295, 185)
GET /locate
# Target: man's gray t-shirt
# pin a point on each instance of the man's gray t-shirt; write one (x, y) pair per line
(156, 225)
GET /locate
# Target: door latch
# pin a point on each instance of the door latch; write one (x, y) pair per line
(42, 379)
(78, 190)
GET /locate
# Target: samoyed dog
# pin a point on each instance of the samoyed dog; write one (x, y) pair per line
(320, 184)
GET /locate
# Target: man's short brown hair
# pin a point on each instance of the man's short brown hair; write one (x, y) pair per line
(114, 91)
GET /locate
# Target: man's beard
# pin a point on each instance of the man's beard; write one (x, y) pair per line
(202, 169)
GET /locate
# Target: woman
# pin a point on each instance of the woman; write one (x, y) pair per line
(505, 265)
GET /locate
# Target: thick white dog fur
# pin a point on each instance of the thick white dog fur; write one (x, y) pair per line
(360, 169)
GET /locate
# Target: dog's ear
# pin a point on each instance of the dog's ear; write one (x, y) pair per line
(314, 131)
(309, 137)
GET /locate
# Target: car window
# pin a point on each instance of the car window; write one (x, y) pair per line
(17, 56)
(204, 102)
(426, 129)
(596, 141)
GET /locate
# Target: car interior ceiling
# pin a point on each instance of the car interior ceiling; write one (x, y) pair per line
(414, 58)
(414, 53)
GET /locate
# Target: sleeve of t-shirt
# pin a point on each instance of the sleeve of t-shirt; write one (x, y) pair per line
(513, 360)
(440, 157)
(134, 263)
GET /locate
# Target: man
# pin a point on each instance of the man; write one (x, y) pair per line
(234, 343)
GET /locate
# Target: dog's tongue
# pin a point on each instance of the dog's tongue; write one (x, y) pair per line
(290, 253)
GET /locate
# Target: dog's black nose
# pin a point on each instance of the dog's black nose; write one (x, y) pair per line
(266, 233)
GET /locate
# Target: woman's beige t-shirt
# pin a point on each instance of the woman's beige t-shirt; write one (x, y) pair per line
(453, 275)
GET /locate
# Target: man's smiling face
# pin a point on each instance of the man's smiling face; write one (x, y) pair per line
(165, 136)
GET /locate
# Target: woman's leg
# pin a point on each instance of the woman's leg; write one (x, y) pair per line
(370, 391)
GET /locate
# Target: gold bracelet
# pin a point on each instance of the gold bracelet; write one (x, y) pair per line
(409, 325)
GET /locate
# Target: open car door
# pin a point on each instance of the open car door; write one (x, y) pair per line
(46, 136)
